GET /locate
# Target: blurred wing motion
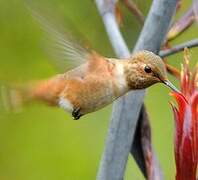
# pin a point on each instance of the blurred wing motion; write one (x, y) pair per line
(62, 47)
(68, 54)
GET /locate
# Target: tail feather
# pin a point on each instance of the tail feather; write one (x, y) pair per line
(11, 99)
(14, 97)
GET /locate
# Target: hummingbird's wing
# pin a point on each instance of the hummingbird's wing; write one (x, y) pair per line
(66, 53)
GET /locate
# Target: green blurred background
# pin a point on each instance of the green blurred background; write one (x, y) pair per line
(42, 142)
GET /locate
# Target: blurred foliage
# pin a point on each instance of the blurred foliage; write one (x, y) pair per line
(45, 143)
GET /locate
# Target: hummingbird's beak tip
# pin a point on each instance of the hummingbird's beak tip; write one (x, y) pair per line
(171, 86)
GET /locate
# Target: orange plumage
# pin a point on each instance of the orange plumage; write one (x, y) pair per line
(96, 81)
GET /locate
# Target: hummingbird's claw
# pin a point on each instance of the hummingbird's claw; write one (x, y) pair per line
(76, 113)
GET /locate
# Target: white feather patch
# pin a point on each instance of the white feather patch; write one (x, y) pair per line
(66, 104)
(121, 80)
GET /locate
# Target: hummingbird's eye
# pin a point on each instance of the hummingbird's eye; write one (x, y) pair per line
(147, 69)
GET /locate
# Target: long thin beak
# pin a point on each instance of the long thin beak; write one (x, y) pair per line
(170, 85)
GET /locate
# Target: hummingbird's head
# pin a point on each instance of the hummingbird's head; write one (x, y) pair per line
(145, 69)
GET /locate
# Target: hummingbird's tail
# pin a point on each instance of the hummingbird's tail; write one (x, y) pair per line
(12, 98)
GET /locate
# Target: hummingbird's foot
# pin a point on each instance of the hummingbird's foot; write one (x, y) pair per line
(76, 113)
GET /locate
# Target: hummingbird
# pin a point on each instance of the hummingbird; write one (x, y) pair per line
(96, 81)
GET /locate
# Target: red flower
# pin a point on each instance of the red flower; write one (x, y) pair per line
(186, 123)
